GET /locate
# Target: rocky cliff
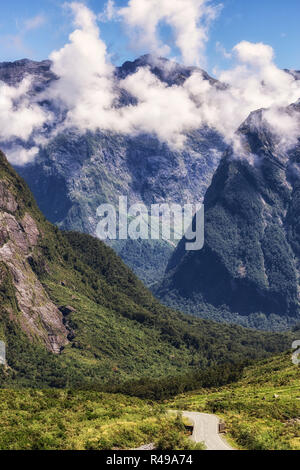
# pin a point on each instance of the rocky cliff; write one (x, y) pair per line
(20, 236)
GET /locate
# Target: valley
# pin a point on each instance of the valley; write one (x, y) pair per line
(111, 342)
(150, 229)
(261, 411)
(75, 173)
(69, 294)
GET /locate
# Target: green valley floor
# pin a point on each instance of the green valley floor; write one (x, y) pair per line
(85, 420)
(261, 412)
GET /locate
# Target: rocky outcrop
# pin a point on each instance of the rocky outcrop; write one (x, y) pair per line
(7, 201)
(13, 73)
(19, 236)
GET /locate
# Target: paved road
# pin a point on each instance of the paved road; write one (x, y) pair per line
(206, 429)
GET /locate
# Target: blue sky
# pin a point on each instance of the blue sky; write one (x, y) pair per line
(34, 28)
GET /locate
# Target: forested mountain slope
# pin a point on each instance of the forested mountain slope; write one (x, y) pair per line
(73, 314)
(249, 269)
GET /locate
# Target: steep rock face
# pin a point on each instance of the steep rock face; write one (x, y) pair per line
(13, 73)
(19, 235)
(75, 173)
(248, 270)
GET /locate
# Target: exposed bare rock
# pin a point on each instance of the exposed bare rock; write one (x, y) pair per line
(293, 421)
(15, 233)
(150, 446)
(39, 316)
(30, 229)
(67, 310)
(55, 343)
(7, 200)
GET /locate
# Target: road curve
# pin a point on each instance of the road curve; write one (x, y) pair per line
(206, 429)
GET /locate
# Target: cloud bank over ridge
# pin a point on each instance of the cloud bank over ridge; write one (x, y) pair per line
(87, 91)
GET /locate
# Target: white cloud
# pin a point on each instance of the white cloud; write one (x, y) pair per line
(87, 88)
(34, 23)
(256, 54)
(18, 155)
(85, 85)
(253, 83)
(256, 82)
(110, 12)
(167, 112)
(285, 124)
(18, 116)
(19, 119)
(188, 19)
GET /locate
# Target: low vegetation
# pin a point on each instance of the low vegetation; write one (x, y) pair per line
(69, 420)
(261, 410)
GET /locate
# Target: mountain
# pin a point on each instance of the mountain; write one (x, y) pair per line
(13, 73)
(72, 314)
(248, 271)
(75, 173)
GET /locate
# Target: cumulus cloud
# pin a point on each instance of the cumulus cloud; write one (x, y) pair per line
(253, 83)
(88, 90)
(285, 124)
(18, 155)
(165, 111)
(18, 116)
(85, 86)
(188, 19)
(109, 13)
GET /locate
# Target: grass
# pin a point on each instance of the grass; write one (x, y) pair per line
(261, 411)
(66, 420)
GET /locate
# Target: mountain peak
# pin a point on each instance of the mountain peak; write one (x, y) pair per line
(13, 73)
(166, 70)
